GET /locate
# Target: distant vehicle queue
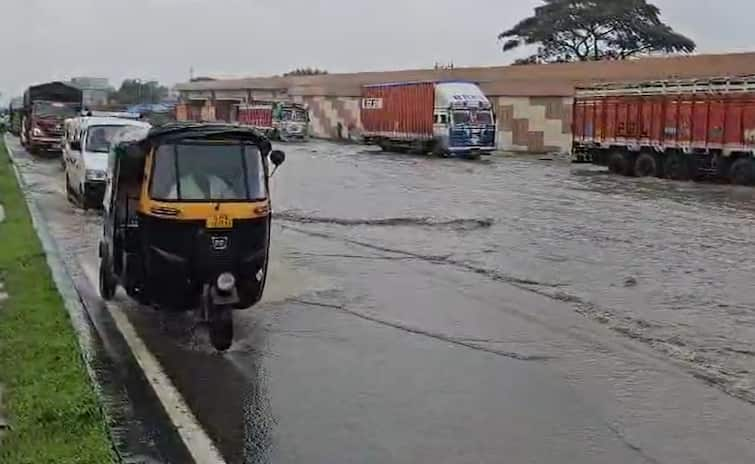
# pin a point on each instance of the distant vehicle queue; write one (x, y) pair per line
(677, 129)
(443, 118)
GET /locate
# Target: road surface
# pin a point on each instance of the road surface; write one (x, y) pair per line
(510, 310)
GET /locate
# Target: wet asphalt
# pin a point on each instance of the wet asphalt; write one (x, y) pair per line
(510, 310)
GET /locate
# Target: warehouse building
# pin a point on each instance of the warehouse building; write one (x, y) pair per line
(533, 103)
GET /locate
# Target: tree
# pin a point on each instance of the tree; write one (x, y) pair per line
(306, 72)
(584, 30)
(134, 91)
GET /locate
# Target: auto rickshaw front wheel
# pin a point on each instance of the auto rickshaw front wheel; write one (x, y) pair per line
(221, 327)
(219, 319)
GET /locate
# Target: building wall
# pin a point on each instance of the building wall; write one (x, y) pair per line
(327, 112)
(94, 97)
(533, 103)
(534, 124)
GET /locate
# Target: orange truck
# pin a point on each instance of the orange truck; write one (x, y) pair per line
(679, 129)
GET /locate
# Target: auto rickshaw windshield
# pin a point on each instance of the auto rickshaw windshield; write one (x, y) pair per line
(195, 171)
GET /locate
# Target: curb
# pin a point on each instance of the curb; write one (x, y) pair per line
(67, 290)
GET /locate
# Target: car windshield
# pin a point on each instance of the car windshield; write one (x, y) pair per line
(483, 117)
(99, 138)
(208, 172)
(52, 109)
(462, 117)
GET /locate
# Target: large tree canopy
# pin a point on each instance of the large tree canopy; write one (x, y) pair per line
(582, 30)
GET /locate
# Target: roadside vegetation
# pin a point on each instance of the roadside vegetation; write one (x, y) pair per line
(47, 396)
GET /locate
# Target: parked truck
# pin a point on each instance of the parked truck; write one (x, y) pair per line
(46, 107)
(443, 118)
(283, 121)
(678, 129)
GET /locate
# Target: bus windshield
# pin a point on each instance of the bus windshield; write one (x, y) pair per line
(208, 172)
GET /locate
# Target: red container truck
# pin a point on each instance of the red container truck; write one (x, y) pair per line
(682, 130)
(443, 118)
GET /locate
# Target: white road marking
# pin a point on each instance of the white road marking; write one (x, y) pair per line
(199, 444)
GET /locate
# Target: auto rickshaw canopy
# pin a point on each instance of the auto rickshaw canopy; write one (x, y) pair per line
(131, 150)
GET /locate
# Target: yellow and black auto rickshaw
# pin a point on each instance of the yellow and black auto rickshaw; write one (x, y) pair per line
(187, 221)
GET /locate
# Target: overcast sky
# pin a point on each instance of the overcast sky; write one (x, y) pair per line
(43, 40)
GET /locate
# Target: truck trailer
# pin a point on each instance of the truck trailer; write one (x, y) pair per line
(443, 118)
(678, 129)
(46, 107)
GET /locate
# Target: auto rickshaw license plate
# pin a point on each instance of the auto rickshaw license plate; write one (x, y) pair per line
(220, 221)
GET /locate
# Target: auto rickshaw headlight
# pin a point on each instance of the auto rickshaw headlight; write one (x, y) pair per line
(226, 282)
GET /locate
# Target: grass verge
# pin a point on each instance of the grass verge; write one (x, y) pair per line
(48, 398)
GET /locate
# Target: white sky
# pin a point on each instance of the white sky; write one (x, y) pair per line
(43, 40)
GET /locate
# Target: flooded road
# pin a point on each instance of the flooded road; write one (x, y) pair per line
(508, 310)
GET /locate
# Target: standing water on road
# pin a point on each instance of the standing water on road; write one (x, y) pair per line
(663, 262)
(429, 310)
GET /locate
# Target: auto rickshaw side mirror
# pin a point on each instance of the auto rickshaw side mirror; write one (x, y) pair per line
(277, 157)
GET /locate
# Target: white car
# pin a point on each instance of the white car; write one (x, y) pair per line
(86, 145)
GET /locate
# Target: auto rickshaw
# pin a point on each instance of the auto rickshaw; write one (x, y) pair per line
(187, 221)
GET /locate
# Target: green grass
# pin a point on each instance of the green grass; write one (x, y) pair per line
(48, 398)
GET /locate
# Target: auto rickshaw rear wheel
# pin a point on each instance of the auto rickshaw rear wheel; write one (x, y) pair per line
(107, 283)
(221, 328)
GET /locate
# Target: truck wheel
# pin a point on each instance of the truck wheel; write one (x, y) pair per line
(618, 163)
(677, 167)
(742, 172)
(646, 166)
(438, 150)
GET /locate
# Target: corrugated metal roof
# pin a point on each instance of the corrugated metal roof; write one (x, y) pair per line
(524, 80)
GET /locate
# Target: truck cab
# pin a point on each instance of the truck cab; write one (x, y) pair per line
(43, 127)
(86, 147)
(291, 121)
(464, 122)
(45, 108)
